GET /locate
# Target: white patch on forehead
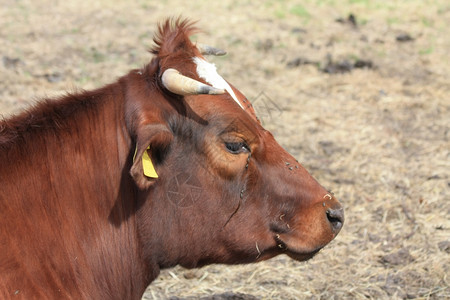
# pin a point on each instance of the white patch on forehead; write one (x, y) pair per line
(208, 72)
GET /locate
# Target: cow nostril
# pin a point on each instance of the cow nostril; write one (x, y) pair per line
(336, 218)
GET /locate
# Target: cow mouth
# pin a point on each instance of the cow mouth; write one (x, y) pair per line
(297, 254)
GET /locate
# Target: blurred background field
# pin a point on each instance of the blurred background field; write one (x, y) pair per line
(357, 90)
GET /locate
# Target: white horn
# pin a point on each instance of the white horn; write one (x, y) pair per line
(208, 50)
(179, 84)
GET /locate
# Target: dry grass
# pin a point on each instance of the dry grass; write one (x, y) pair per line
(378, 137)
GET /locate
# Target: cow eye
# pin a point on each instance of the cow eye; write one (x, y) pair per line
(237, 147)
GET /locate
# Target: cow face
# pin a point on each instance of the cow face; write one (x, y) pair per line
(225, 190)
(267, 202)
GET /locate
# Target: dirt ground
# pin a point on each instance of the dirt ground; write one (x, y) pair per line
(357, 90)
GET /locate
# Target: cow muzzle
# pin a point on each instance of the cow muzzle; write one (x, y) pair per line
(302, 236)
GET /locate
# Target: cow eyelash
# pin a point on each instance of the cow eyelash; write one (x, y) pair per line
(237, 147)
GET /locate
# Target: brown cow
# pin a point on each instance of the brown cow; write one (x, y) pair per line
(167, 166)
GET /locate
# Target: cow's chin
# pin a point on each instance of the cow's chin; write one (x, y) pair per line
(295, 250)
(292, 250)
(300, 256)
(296, 255)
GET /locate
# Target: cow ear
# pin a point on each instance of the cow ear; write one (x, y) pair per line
(152, 143)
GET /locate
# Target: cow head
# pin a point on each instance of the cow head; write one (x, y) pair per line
(213, 185)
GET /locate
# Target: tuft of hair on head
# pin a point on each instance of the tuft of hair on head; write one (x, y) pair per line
(173, 36)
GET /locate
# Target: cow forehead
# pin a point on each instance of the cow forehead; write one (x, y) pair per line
(208, 72)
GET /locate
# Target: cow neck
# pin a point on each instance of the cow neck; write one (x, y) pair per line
(82, 137)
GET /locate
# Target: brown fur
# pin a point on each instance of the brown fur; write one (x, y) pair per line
(78, 218)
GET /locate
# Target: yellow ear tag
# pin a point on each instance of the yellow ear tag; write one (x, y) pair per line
(147, 165)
